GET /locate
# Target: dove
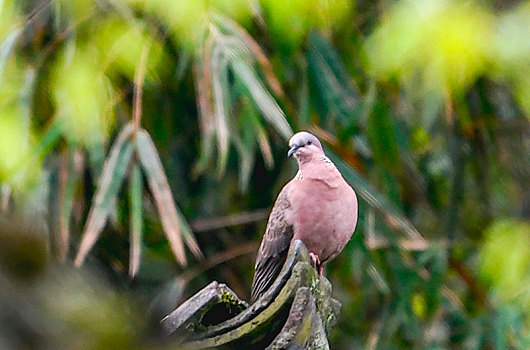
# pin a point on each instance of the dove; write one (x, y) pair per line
(317, 207)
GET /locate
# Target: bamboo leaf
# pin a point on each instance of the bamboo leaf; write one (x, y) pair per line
(303, 98)
(239, 32)
(43, 147)
(203, 93)
(385, 208)
(188, 235)
(378, 278)
(135, 203)
(264, 145)
(48, 139)
(245, 141)
(382, 137)
(332, 79)
(110, 182)
(96, 159)
(261, 97)
(219, 71)
(246, 160)
(67, 180)
(253, 132)
(157, 180)
(6, 47)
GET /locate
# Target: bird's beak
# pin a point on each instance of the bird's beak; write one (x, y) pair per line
(292, 150)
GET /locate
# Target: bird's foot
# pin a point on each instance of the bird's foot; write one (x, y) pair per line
(315, 262)
(314, 259)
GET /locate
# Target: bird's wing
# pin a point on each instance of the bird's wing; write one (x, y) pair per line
(274, 246)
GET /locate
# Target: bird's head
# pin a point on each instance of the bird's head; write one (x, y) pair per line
(304, 145)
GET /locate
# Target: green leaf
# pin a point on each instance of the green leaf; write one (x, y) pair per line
(151, 164)
(234, 29)
(303, 98)
(48, 139)
(203, 93)
(67, 180)
(379, 279)
(135, 219)
(220, 87)
(263, 142)
(382, 138)
(261, 96)
(6, 47)
(505, 260)
(333, 82)
(45, 144)
(245, 149)
(96, 159)
(187, 233)
(112, 176)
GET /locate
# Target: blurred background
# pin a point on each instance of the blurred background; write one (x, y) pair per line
(143, 142)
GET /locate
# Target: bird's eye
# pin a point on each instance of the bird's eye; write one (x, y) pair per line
(309, 142)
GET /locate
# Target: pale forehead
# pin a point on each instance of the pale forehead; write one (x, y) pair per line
(301, 138)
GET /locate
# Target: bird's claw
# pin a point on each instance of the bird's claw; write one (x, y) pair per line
(315, 262)
(314, 259)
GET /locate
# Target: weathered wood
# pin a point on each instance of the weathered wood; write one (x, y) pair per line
(191, 313)
(295, 313)
(297, 253)
(303, 329)
(328, 307)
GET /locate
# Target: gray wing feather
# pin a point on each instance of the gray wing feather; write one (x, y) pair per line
(274, 246)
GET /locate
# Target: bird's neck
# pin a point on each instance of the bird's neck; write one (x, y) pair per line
(318, 166)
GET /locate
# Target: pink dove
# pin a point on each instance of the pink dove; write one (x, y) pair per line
(317, 206)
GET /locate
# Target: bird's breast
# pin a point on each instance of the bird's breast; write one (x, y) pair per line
(325, 216)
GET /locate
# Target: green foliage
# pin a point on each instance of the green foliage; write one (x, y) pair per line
(505, 261)
(140, 124)
(81, 98)
(448, 41)
(338, 97)
(291, 20)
